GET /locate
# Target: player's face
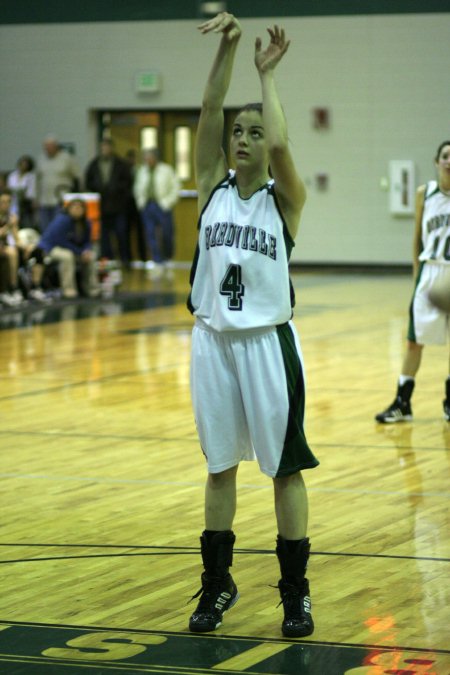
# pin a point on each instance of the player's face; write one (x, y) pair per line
(248, 144)
(443, 163)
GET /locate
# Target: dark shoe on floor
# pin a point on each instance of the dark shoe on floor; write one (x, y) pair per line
(296, 602)
(398, 411)
(217, 595)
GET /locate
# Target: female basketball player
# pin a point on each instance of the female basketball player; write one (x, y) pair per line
(247, 379)
(429, 324)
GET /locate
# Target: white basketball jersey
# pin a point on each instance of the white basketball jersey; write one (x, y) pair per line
(239, 277)
(436, 225)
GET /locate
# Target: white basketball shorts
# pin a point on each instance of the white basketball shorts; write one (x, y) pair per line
(248, 395)
(428, 325)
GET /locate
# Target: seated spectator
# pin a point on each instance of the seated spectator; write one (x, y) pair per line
(22, 183)
(9, 252)
(67, 240)
(31, 265)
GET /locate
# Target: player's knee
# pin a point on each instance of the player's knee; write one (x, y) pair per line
(284, 482)
(222, 478)
(414, 346)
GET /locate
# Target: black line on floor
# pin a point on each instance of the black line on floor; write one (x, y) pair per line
(119, 437)
(83, 383)
(114, 666)
(190, 550)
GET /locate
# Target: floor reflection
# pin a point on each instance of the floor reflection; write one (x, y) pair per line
(74, 310)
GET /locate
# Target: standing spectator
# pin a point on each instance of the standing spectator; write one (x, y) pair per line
(110, 176)
(67, 240)
(22, 183)
(57, 173)
(9, 252)
(133, 215)
(428, 324)
(156, 189)
(249, 399)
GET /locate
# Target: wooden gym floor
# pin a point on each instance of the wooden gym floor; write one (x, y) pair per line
(102, 479)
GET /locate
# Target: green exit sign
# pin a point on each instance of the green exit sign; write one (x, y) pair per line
(148, 82)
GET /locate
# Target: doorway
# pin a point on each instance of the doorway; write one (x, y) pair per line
(173, 132)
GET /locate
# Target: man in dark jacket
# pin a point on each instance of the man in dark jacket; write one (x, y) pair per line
(110, 176)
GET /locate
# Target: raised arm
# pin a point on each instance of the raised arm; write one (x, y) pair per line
(210, 161)
(289, 187)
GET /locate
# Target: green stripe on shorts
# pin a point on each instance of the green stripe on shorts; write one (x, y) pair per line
(296, 454)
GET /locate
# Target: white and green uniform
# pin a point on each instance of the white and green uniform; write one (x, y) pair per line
(247, 380)
(428, 324)
(240, 275)
(436, 225)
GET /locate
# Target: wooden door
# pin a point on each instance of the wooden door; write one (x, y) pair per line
(179, 132)
(186, 213)
(174, 133)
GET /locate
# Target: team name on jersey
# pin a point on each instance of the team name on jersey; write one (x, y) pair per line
(245, 237)
(442, 220)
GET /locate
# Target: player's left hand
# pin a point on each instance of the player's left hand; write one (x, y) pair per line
(268, 58)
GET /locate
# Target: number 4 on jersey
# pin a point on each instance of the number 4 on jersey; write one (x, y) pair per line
(233, 287)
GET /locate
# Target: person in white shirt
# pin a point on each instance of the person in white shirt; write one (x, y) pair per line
(156, 191)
